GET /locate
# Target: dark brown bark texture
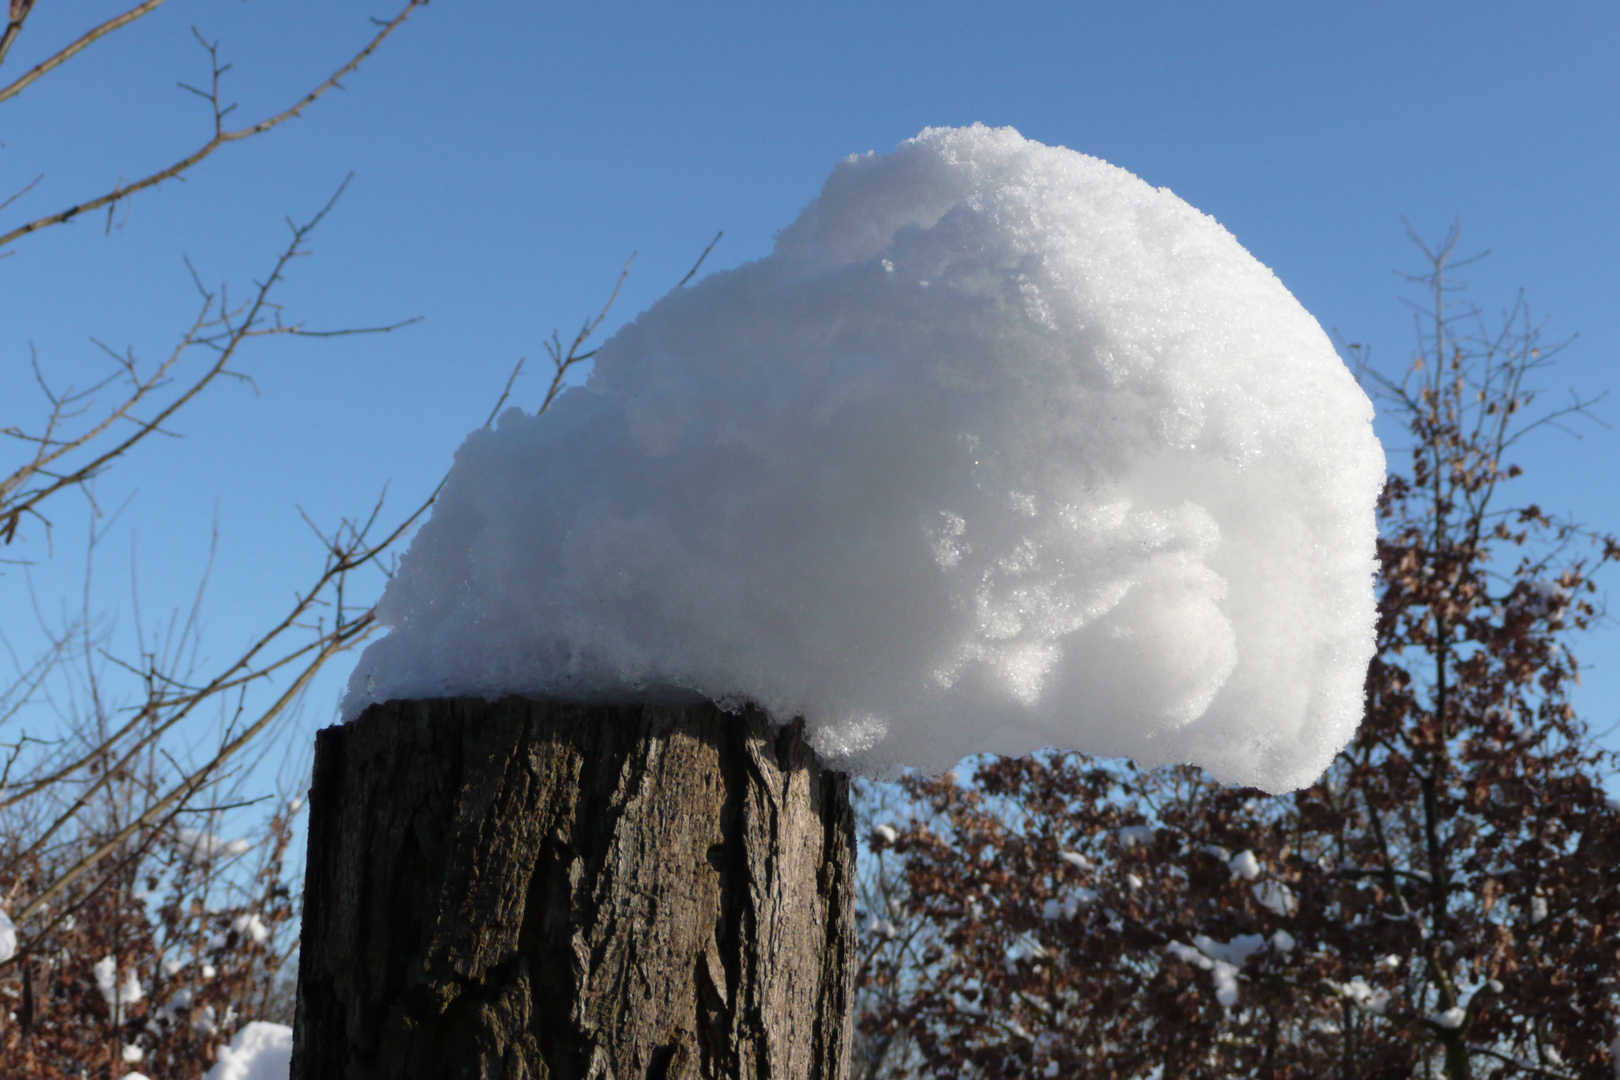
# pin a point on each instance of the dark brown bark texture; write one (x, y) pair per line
(528, 889)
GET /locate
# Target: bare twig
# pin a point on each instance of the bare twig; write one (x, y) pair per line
(221, 137)
(215, 328)
(117, 22)
(298, 331)
(14, 24)
(690, 274)
(563, 361)
(20, 192)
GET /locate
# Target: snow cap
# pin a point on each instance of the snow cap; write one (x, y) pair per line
(1001, 448)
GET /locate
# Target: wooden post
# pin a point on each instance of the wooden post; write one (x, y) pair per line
(527, 889)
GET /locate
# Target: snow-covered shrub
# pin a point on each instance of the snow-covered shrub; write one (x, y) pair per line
(149, 965)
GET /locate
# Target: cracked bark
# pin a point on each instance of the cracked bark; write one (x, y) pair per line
(527, 889)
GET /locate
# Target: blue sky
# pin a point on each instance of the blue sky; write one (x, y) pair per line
(509, 157)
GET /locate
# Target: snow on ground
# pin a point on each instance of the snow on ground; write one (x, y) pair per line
(1002, 447)
(260, 1051)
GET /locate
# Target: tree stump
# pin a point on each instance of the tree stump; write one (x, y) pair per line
(530, 889)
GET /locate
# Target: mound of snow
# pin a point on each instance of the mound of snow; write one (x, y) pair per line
(260, 1051)
(1001, 448)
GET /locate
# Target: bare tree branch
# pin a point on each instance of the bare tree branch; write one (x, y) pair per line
(215, 328)
(690, 274)
(348, 549)
(117, 22)
(20, 10)
(222, 135)
(563, 361)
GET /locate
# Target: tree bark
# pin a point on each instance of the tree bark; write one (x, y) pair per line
(527, 889)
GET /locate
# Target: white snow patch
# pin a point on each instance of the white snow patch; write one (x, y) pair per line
(118, 996)
(1244, 865)
(886, 833)
(250, 925)
(1131, 835)
(260, 1051)
(1451, 1018)
(197, 845)
(1222, 959)
(1363, 995)
(8, 937)
(1276, 896)
(1075, 859)
(1069, 905)
(1546, 597)
(1190, 955)
(1226, 987)
(1237, 951)
(1001, 448)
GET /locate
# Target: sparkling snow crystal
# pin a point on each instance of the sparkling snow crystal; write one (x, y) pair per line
(1002, 447)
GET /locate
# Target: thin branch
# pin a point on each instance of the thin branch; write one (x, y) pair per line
(25, 189)
(235, 331)
(181, 791)
(19, 15)
(563, 361)
(690, 274)
(350, 548)
(221, 137)
(297, 331)
(117, 22)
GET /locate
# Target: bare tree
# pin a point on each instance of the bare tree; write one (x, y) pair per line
(130, 930)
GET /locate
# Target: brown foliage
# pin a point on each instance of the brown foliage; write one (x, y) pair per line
(1441, 902)
(151, 963)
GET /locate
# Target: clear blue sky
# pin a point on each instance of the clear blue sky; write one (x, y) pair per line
(508, 158)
